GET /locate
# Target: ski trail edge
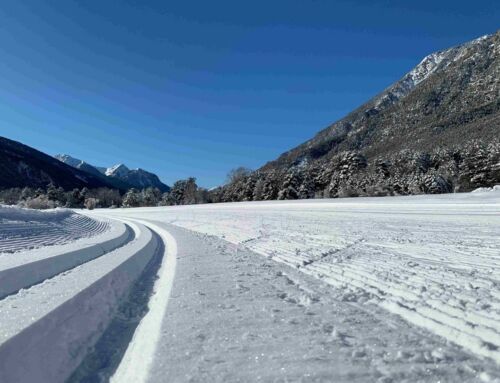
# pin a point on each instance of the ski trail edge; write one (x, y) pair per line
(138, 359)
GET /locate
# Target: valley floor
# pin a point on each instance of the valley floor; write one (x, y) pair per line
(368, 289)
(236, 316)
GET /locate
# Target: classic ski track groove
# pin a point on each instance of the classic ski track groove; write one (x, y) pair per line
(68, 311)
(25, 273)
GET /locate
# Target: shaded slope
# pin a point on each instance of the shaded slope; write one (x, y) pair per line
(22, 166)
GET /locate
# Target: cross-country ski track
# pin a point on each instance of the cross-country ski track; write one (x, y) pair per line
(356, 290)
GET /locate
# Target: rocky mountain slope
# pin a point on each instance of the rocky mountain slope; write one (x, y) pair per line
(79, 164)
(22, 166)
(119, 175)
(436, 130)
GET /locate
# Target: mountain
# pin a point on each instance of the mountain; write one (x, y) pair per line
(21, 166)
(118, 170)
(79, 164)
(98, 172)
(138, 178)
(119, 175)
(435, 130)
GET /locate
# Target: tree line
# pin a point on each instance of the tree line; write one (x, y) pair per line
(352, 173)
(183, 192)
(345, 174)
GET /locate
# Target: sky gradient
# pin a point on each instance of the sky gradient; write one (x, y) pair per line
(195, 88)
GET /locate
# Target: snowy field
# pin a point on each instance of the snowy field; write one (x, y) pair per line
(366, 289)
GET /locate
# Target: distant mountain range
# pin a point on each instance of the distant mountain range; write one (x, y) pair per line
(436, 130)
(118, 175)
(21, 166)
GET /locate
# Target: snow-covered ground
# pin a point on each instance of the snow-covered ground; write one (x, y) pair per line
(366, 289)
(23, 229)
(433, 261)
(234, 315)
(59, 299)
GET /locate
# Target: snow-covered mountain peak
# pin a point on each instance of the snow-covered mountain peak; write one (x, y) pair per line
(67, 159)
(426, 67)
(409, 81)
(118, 170)
(431, 62)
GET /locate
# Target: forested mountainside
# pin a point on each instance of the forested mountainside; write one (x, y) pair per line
(436, 130)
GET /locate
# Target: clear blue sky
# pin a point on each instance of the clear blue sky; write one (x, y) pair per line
(195, 88)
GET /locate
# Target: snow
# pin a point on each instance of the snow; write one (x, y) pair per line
(76, 163)
(143, 346)
(24, 229)
(427, 66)
(495, 189)
(118, 170)
(26, 268)
(68, 160)
(431, 260)
(423, 70)
(68, 313)
(356, 289)
(418, 74)
(236, 316)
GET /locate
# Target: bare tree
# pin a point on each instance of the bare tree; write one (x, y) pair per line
(238, 174)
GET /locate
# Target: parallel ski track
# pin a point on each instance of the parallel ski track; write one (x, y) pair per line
(17, 236)
(45, 312)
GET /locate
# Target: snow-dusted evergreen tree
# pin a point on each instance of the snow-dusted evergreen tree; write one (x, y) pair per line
(151, 196)
(248, 187)
(84, 192)
(270, 186)
(75, 199)
(290, 186)
(183, 192)
(132, 198)
(56, 194)
(258, 190)
(307, 188)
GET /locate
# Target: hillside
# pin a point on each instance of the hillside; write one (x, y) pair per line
(21, 166)
(436, 130)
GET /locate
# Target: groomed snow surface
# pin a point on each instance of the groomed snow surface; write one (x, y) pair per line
(23, 229)
(349, 290)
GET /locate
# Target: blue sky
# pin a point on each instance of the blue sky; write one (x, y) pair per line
(195, 88)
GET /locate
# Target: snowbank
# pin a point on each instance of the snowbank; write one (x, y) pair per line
(495, 189)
